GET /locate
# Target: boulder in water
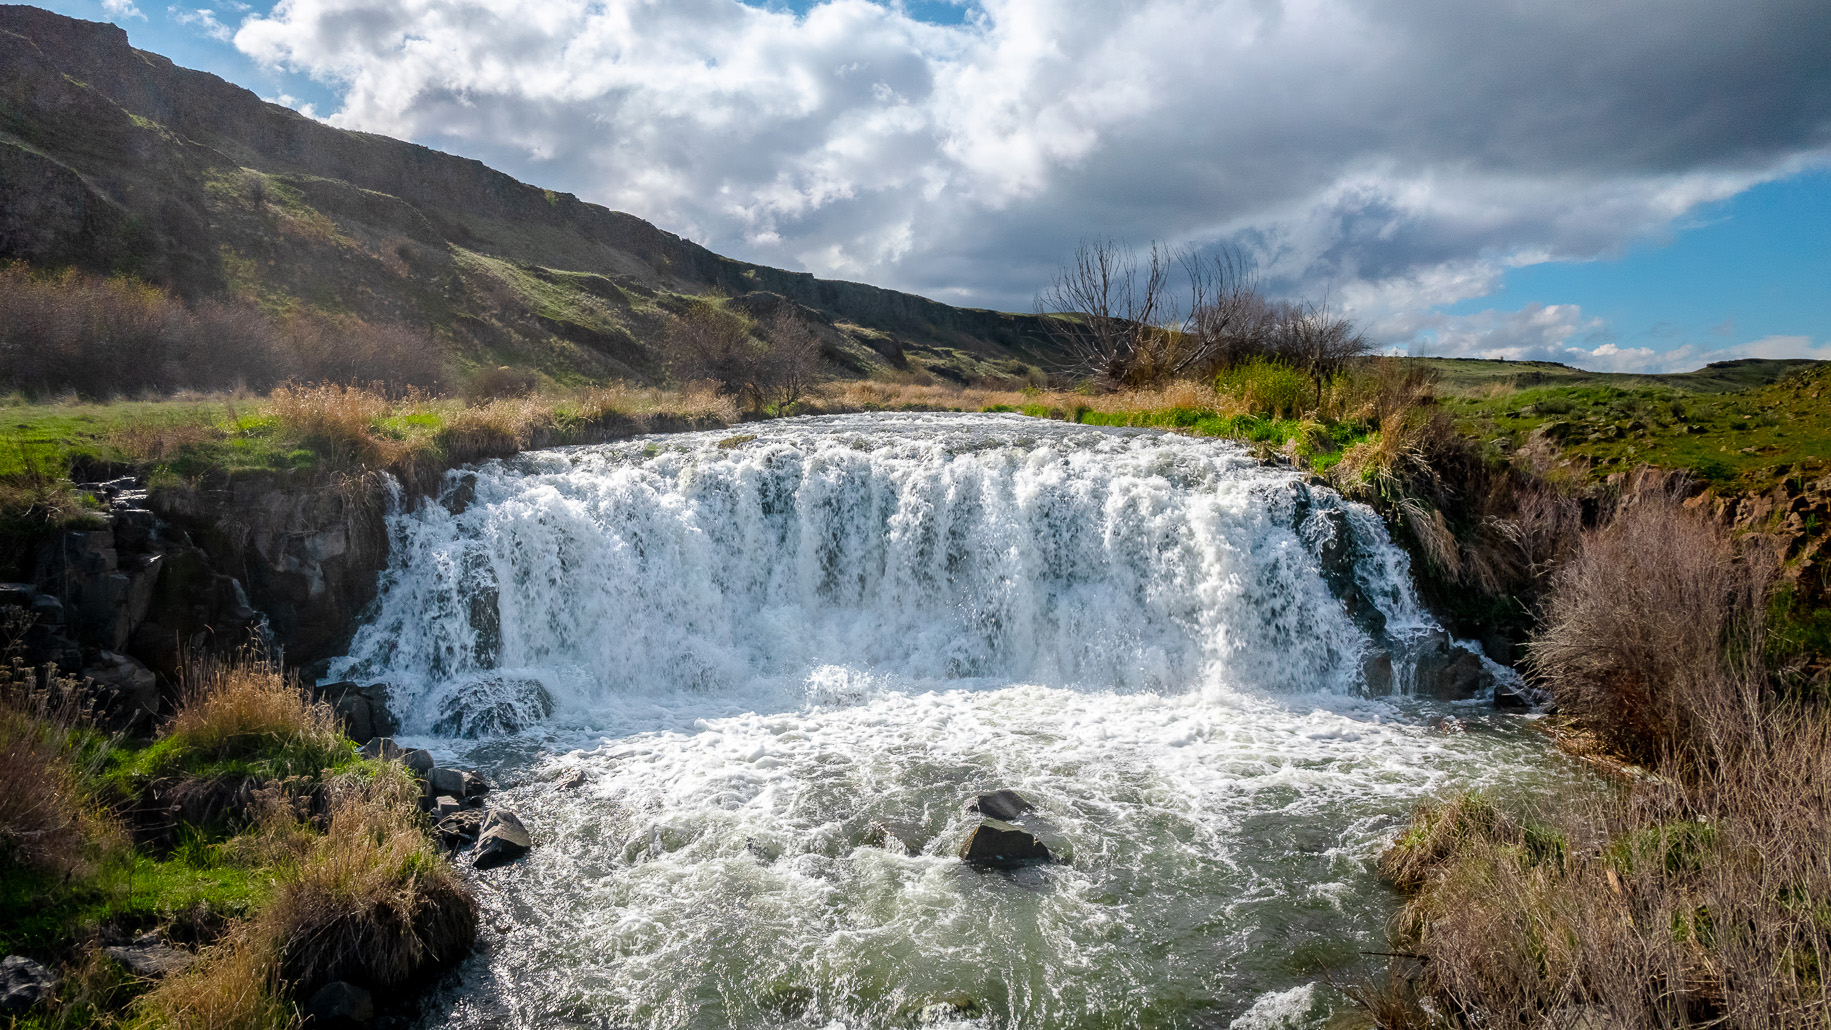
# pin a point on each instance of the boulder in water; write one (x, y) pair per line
(995, 844)
(458, 783)
(502, 840)
(419, 760)
(485, 707)
(459, 828)
(1004, 805)
(382, 749)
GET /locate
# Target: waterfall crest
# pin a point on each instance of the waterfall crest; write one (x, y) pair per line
(757, 570)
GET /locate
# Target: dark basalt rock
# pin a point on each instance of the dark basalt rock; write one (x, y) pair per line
(1005, 805)
(459, 827)
(151, 958)
(502, 840)
(458, 783)
(994, 844)
(23, 983)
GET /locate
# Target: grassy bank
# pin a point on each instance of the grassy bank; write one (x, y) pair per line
(249, 836)
(1697, 891)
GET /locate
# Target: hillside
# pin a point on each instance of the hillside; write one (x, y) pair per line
(116, 160)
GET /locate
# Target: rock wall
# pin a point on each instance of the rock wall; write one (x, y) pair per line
(289, 560)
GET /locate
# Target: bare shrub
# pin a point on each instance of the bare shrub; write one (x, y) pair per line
(1106, 309)
(1642, 624)
(499, 383)
(788, 363)
(390, 356)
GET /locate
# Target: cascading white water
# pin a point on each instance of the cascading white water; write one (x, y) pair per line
(783, 659)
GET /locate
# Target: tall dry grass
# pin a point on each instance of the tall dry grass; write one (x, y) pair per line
(48, 821)
(376, 903)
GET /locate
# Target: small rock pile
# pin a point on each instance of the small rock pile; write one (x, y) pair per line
(455, 797)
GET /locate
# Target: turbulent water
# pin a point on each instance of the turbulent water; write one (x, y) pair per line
(783, 660)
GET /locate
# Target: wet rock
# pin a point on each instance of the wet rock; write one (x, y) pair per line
(339, 1005)
(1005, 805)
(445, 805)
(151, 958)
(363, 710)
(994, 844)
(23, 983)
(1448, 671)
(460, 827)
(573, 781)
(382, 749)
(1376, 673)
(501, 840)
(1518, 695)
(419, 760)
(459, 783)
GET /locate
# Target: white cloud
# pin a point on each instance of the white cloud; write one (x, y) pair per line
(1399, 153)
(203, 19)
(122, 9)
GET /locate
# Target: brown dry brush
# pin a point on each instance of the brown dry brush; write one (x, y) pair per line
(74, 332)
(1698, 895)
(48, 820)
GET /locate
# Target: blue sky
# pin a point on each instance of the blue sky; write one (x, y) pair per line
(1643, 185)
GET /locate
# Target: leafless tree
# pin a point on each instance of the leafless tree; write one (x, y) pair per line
(1314, 338)
(1105, 309)
(789, 361)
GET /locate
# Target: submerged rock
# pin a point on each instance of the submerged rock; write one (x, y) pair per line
(23, 983)
(490, 706)
(1005, 805)
(502, 840)
(995, 844)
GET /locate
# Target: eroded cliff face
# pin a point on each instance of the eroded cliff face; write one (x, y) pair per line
(288, 560)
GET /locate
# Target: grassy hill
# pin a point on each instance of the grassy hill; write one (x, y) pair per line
(113, 159)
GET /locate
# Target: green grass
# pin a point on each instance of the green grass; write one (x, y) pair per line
(40, 912)
(1744, 440)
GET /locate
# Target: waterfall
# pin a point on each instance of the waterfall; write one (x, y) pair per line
(572, 586)
(743, 682)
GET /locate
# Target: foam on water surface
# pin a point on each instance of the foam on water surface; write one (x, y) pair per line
(784, 663)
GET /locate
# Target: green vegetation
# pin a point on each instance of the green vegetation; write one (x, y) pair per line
(287, 860)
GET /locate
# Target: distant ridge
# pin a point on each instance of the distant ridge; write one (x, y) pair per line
(115, 159)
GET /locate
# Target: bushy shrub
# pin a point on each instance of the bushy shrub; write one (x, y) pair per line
(1267, 386)
(48, 821)
(1650, 635)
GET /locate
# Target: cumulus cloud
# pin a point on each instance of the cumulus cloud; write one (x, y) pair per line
(1398, 153)
(122, 9)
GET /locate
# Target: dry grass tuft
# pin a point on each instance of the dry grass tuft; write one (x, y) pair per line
(336, 421)
(243, 704)
(375, 904)
(231, 987)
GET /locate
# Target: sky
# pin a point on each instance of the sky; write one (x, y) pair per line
(1626, 185)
